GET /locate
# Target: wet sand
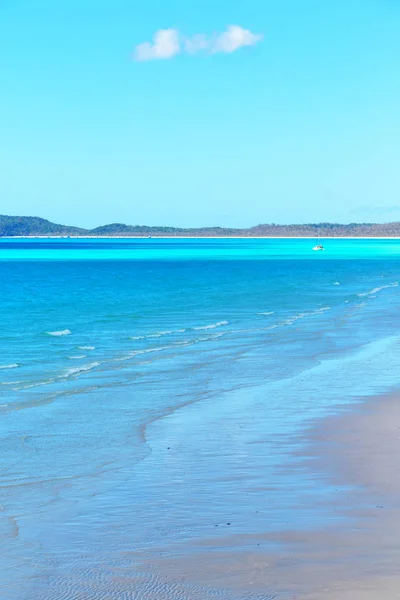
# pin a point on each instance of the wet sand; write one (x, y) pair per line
(355, 557)
(362, 448)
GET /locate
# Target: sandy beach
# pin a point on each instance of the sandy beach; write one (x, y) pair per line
(361, 448)
(357, 450)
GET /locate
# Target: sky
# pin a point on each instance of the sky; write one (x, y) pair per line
(200, 112)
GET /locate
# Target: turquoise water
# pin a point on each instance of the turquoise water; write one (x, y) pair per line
(194, 249)
(152, 390)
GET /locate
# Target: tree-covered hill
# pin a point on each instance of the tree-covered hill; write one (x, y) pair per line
(35, 226)
(21, 226)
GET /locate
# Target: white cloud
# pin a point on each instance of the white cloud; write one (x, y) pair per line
(168, 43)
(165, 45)
(235, 37)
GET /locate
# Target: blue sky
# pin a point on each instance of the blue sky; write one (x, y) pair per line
(299, 123)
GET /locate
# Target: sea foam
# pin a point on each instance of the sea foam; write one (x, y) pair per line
(378, 289)
(212, 326)
(12, 366)
(81, 369)
(294, 318)
(175, 345)
(59, 333)
(157, 334)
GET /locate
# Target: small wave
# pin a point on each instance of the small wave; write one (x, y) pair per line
(86, 347)
(58, 378)
(176, 346)
(59, 333)
(33, 385)
(77, 357)
(336, 283)
(295, 318)
(212, 326)
(157, 334)
(252, 330)
(378, 289)
(216, 336)
(162, 333)
(12, 366)
(146, 351)
(81, 369)
(159, 348)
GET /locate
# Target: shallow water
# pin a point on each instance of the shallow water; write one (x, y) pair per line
(151, 392)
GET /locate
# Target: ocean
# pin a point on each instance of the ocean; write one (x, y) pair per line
(153, 393)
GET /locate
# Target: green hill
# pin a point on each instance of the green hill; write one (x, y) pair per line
(17, 226)
(35, 226)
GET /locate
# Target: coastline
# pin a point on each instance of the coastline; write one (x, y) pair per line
(353, 558)
(359, 447)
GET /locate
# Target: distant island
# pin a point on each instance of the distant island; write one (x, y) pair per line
(36, 227)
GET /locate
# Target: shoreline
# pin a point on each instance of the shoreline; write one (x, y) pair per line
(358, 447)
(353, 557)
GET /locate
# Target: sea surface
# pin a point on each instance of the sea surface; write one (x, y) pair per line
(152, 393)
